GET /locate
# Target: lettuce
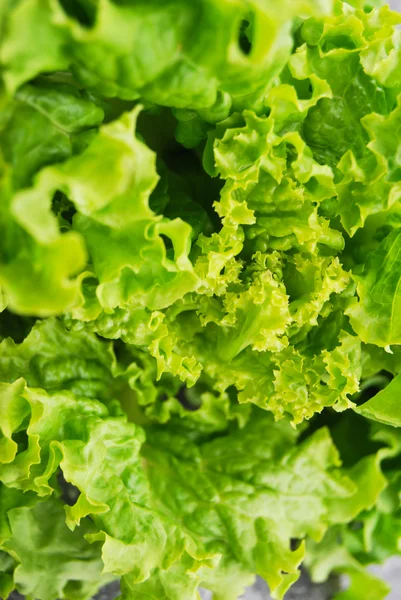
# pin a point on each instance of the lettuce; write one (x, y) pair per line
(199, 295)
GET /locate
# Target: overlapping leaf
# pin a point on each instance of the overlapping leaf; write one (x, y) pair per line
(231, 251)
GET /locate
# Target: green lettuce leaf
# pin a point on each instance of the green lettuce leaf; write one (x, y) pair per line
(375, 316)
(213, 506)
(37, 279)
(199, 231)
(47, 122)
(201, 56)
(23, 21)
(374, 535)
(243, 482)
(339, 129)
(53, 358)
(52, 561)
(330, 557)
(137, 261)
(384, 406)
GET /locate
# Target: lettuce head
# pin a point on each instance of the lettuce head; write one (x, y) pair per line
(200, 295)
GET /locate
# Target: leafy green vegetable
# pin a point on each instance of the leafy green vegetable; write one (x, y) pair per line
(384, 406)
(374, 536)
(375, 317)
(199, 304)
(52, 561)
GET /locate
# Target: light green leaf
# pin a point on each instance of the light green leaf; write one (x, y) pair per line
(45, 124)
(384, 407)
(176, 583)
(123, 235)
(53, 358)
(51, 560)
(375, 317)
(229, 470)
(31, 24)
(38, 279)
(330, 557)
